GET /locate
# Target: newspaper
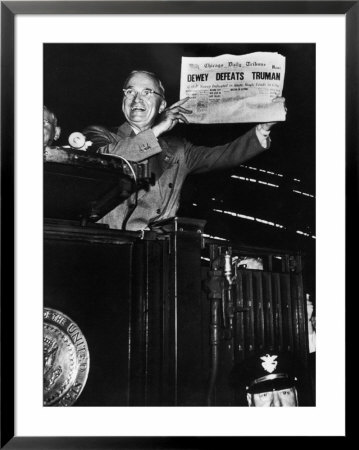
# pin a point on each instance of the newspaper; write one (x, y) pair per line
(231, 88)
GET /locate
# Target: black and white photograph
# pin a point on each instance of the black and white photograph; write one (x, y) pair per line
(179, 211)
(176, 235)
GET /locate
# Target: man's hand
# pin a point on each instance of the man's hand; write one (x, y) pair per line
(268, 125)
(170, 117)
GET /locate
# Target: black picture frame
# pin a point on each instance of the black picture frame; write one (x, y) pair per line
(9, 10)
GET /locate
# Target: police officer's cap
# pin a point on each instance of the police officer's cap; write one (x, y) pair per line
(266, 371)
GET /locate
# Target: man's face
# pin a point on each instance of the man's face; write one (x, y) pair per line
(51, 132)
(139, 111)
(284, 397)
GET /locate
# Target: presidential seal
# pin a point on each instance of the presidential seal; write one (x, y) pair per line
(66, 359)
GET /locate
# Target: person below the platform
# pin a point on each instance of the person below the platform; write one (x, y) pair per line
(143, 138)
(268, 379)
(51, 129)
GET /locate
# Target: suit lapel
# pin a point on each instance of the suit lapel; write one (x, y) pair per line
(159, 162)
(125, 130)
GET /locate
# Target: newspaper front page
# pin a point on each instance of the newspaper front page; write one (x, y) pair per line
(232, 89)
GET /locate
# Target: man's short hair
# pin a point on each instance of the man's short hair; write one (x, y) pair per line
(52, 114)
(151, 74)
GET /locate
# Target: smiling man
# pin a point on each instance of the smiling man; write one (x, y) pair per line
(143, 100)
(142, 137)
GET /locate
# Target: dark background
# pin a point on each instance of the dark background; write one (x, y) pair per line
(83, 85)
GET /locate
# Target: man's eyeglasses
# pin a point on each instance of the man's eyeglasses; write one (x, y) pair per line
(47, 122)
(146, 93)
